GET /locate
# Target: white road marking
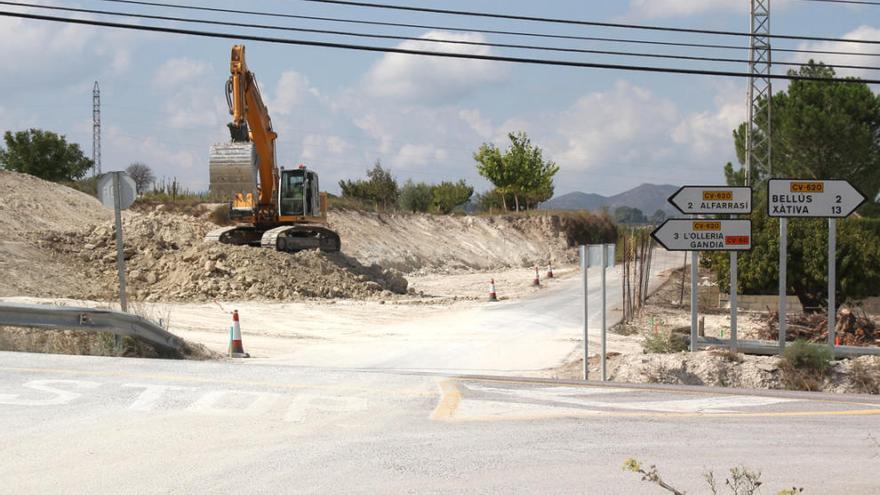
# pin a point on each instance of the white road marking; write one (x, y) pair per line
(148, 399)
(304, 404)
(210, 403)
(61, 396)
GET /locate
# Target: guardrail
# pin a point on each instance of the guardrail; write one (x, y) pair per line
(88, 319)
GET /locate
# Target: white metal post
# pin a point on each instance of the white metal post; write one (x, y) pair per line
(783, 260)
(733, 309)
(585, 265)
(120, 259)
(832, 279)
(604, 304)
(695, 258)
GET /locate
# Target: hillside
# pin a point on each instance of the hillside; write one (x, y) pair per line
(646, 197)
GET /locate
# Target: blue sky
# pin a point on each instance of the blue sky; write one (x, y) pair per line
(338, 111)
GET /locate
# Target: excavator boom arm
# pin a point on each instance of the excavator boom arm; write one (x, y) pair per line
(251, 121)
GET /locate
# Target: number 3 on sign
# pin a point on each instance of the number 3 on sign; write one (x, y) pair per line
(675, 236)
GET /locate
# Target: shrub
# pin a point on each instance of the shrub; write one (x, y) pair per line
(865, 377)
(448, 195)
(805, 365)
(805, 356)
(664, 342)
(220, 215)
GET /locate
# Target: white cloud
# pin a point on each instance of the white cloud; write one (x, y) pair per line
(291, 92)
(433, 79)
(682, 8)
(708, 134)
(60, 56)
(178, 72)
(191, 98)
(624, 124)
(863, 32)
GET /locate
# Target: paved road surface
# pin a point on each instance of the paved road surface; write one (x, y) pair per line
(71, 424)
(514, 337)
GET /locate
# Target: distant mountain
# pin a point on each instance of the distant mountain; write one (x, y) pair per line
(646, 197)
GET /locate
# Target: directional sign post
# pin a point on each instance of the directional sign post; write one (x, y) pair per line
(810, 198)
(702, 200)
(601, 255)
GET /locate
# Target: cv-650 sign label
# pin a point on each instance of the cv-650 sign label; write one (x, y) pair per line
(704, 235)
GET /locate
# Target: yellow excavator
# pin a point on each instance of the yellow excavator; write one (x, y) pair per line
(271, 207)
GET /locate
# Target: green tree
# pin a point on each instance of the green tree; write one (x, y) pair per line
(629, 215)
(416, 197)
(658, 217)
(520, 170)
(44, 154)
(380, 187)
(448, 195)
(820, 130)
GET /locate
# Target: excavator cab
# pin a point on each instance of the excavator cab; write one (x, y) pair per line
(298, 193)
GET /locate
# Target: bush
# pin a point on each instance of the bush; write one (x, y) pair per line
(858, 259)
(583, 227)
(805, 356)
(664, 342)
(865, 377)
(805, 365)
(220, 215)
(380, 187)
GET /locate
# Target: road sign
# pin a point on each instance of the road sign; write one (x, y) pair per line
(127, 190)
(699, 200)
(704, 235)
(812, 198)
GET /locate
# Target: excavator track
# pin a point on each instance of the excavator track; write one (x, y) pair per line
(239, 235)
(292, 238)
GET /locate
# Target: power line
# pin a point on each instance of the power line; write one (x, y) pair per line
(856, 2)
(370, 48)
(579, 22)
(412, 38)
(475, 30)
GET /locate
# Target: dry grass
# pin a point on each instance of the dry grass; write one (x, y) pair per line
(865, 377)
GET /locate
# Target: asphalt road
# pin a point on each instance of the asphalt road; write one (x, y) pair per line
(73, 424)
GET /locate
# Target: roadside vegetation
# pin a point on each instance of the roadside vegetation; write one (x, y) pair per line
(813, 121)
(739, 481)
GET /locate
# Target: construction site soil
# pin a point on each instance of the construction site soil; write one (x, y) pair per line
(61, 243)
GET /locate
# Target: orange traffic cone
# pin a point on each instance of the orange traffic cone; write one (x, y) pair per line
(493, 297)
(236, 349)
(537, 281)
(549, 270)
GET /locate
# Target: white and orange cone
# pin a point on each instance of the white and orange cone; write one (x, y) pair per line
(549, 270)
(537, 281)
(236, 349)
(493, 296)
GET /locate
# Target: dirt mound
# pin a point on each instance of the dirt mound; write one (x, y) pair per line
(31, 204)
(168, 260)
(420, 243)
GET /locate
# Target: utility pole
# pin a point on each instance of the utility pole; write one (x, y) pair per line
(96, 130)
(758, 143)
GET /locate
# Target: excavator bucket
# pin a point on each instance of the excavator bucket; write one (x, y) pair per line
(233, 171)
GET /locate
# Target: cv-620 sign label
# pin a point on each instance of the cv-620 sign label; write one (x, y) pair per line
(812, 198)
(704, 235)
